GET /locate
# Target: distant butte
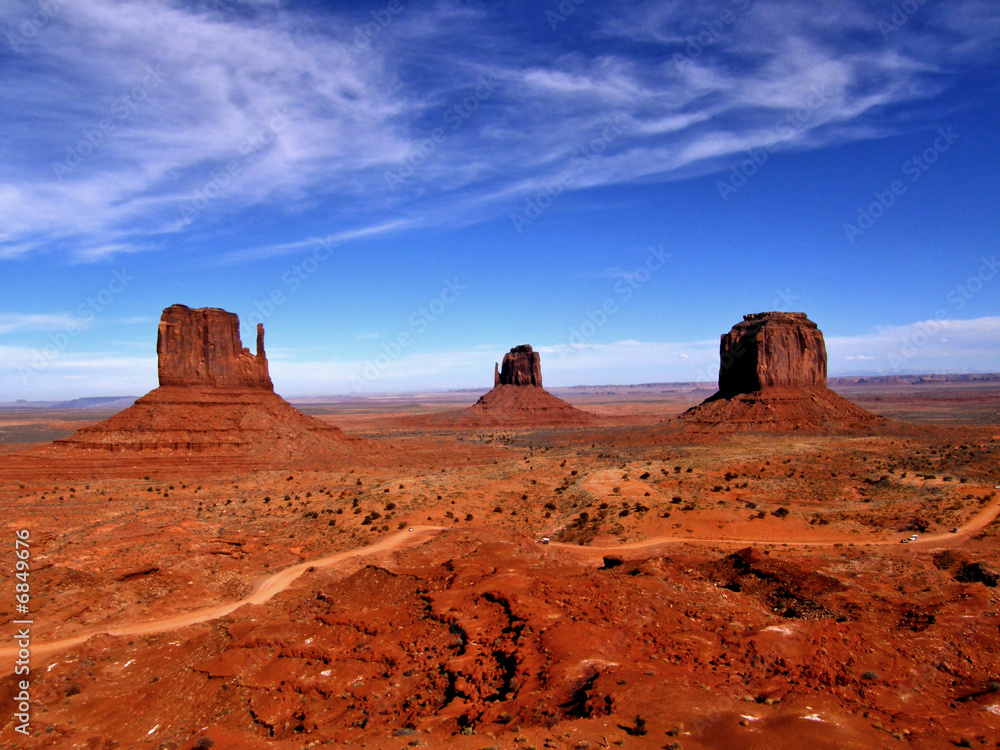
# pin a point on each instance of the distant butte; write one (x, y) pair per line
(517, 400)
(772, 376)
(215, 397)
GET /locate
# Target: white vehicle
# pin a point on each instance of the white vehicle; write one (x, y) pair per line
(912, 538)
(411, 529)
(544, 540)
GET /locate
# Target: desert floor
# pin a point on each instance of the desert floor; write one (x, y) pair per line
(734, 591)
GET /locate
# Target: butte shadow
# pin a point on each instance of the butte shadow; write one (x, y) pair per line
(215, 399)
(772, 377)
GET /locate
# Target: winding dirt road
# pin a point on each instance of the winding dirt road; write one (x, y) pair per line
(283, 579)
(978, 522)
(264, 591)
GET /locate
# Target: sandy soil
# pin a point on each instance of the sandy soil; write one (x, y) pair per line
(741, 591)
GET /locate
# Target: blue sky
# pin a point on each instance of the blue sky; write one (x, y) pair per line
(402, 191)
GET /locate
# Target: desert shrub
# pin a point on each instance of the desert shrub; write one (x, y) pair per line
(640, 726)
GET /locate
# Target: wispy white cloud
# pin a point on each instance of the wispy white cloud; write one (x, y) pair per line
(17, 322)
(325, 243)
(924, 346)
(199, 129)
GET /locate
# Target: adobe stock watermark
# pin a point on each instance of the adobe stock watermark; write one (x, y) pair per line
(783, 299)
(29, 28)
(225, 4)
(913, 168)
(957, 298)
(23, 637)
(418, 322)
(786, 127)
(901, 13)
(86, 312)
(453, 118)
(364, 34)
(782, 302)
(220, 180)
(292, 280)
(562, 13)
(624, 289)
(582, 160)
(96, 136)
(711, 32)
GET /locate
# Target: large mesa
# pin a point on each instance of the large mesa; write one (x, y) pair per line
(772, 376)
(772, 350)
(215, 397)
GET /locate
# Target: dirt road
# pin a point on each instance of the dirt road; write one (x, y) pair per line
(280, 581)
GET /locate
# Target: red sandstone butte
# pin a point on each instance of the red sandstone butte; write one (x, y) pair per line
(772, 376)
(203, 347)
(521, 366)
(772, 350)
(215, 397)
(516, 400)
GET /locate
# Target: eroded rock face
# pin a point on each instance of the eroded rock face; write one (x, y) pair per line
(521, 366)
(202, 347)
(772, 350)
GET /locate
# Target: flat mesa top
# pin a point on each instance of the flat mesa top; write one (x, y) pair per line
(197, 309)
(521, 348)
(775, 315)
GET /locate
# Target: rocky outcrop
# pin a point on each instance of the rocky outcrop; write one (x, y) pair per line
(772, 377)
(215, 399)
(772, 350)
(202, 347)
(516, 400)
(521, 366)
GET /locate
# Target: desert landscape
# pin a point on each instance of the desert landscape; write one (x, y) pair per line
(765, 562)
(475, 375)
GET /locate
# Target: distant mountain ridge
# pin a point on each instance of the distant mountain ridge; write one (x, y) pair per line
(93, 402)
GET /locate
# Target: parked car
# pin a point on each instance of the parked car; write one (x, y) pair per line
(913, 538)
(544, 540)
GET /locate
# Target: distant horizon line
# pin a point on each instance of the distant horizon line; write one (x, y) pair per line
(708, 384)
